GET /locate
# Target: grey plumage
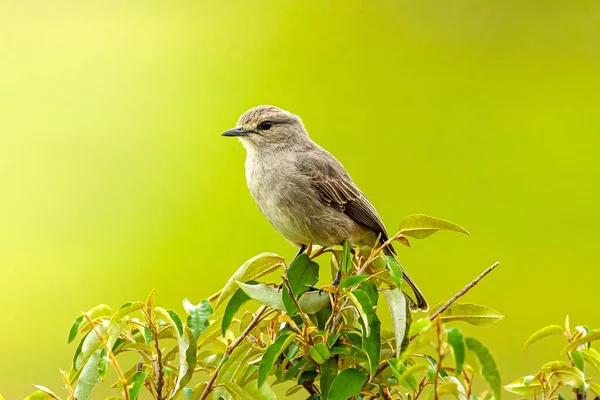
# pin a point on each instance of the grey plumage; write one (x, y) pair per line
(303, 190)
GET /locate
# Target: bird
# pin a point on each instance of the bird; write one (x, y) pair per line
(303, 190)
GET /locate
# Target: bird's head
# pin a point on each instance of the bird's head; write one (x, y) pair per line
(268, 126)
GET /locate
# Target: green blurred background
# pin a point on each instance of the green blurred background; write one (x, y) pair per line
(114, 180)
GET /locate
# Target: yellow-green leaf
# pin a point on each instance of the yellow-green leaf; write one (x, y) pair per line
(545, 332)
(586, 339)
(271, 354)
(421, 226)
(569, 375)
(264, 393)
(592, 356)
(319, 353)
(474, 314)
(252, 269)
(595, 388)
(524, 386)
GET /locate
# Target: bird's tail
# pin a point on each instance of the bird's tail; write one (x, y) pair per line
(419, 303)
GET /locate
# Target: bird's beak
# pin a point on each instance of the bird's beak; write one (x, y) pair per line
(235, 132)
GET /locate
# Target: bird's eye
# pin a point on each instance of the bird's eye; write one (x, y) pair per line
(265, 125)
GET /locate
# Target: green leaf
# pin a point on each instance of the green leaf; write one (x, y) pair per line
(371, 344)
(419, 326)
(577, 358)
(235, 366)
(137, 383)
(252, 269)
(456, 340)
(237, 300)
(314, 301)
(489, 371)
(586, 339)
(397, 305)
(263, 393)
(211, 333)
(264, 294)
(329, 371)
(41, 394)
(364, 307)
(319, 353)
(177, 321)
(301, 274)
(348, 383)
(271, 354)
(545, 332)
(421, 226)
(103, 364)
(473, 314)
(168, 319)
(395, 270)
(407, 379)
(525, 386)
(352, 281)
(569, 375)
(75, 328)
(197, 319)
(592, 357)
(125, 311)
(236, 391)
(346, 257)
(187, 359)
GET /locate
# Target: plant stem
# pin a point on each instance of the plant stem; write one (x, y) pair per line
(240, 339)
(463, 291)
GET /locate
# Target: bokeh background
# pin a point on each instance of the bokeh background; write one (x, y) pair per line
(114, 180)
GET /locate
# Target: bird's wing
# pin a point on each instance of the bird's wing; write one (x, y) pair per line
(337, 190)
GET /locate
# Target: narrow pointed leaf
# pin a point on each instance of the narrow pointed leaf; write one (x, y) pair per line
(352, 281)
(581, 341)
(456, 340)
(371, 344)
(45, 390)
(397, 305)
(395, 270)
(346, 257)
(319, 353)
(365, 309)
(473, 314)
(346, 384)
(421, 226)
(75, 328)
(524, 386)
(237, 300)
(124, 312)
(592, 357)
(271, 354)
(489, 371)
(137, 383)
(545, 332)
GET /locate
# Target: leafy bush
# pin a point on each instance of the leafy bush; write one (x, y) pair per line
(328, 341)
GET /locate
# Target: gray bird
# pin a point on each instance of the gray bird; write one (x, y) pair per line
(303, 190)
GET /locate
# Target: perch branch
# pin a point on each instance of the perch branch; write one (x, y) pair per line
(240, 339)
(463, 291)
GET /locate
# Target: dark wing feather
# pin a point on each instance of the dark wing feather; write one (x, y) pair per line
(337, 190)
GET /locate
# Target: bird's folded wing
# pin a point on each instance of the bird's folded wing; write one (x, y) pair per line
(336, 189)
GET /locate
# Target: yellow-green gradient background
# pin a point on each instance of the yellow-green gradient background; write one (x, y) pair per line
(114, 179)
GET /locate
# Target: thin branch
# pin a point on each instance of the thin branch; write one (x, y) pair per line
(240, 339)
(286, 283)
(463, 291)
(112, 357)
(65, 378)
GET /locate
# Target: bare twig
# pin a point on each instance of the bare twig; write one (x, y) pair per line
(474, 282)
(112, 357)
(240, 339)
(463, 291)
(65, 378)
